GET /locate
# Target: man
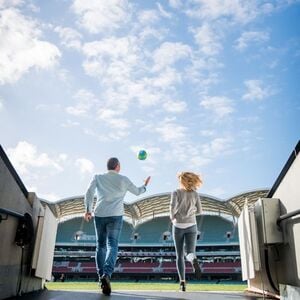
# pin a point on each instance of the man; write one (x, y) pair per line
(111, 188)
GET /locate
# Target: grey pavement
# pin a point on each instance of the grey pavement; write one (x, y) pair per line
(133, 295)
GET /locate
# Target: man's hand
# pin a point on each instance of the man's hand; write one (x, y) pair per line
(147, 180)
(87, 216)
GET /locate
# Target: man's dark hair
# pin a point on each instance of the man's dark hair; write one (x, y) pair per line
(112, 163)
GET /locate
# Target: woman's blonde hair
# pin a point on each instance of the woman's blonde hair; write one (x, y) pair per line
(190, 181)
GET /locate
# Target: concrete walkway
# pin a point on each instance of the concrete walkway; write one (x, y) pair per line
(133, 295)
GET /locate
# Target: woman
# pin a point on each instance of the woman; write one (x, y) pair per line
(185, 204)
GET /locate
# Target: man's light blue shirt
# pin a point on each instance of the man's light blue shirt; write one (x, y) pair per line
(111, 188)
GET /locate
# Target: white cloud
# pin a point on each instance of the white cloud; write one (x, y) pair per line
(48, 196)
(144, 93)
(64, 75)
(207, 39)
(175, 3)
(41, 195)
(62, 157)
(249, 37)
(70, 37)
(21, 48)
(28, 4)
(31, 6)
(119, 64)
(119, 123)
(111, 48)
(108, 113)
(165, 79)
(48, 107)
(111, 60)
(69, 124)
(175, 106)
(171, 131)
(233, 10)
(182, 150)
(147, 17)
(148, 32)
(163, 12)
(1, 103)
(112, 118)
(85, 101)
(84, 165)
(101, 16)
(256, 90)
(207, 133)
(204, 72)
(169, 53)
(200, 161)
(26, 156)
(10, 3)
(217, 147)
(216, 191)
(100, 137)
(219, 105)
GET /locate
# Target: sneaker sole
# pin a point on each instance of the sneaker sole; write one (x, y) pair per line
(197, 270)
(106, 289)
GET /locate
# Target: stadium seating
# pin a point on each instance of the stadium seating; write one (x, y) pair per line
(67, 231)
(152, 231)
(214, 229)
(217, 248)
(126, 233)
(148, 267)
(137, 267)
(224, 267)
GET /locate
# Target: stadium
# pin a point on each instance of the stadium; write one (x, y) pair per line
(146, 248)
(251, 236)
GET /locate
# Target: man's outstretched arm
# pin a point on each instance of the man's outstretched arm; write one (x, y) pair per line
(138, 190)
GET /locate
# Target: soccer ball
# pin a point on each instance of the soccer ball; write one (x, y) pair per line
(142, 155)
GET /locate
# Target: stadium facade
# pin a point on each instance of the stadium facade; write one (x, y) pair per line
(146, 249)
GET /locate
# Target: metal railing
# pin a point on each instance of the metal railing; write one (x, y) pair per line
(9, 212)
(288, 216)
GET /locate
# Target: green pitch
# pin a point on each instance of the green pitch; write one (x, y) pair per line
(145, 286)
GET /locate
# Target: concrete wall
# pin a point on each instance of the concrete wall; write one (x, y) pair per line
(288, 266)
(12, 197)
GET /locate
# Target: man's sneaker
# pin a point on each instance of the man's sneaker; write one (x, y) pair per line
(197, 268)
(182, 286)
(105, 285)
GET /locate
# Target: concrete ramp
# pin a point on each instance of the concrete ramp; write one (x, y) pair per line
(134, 295)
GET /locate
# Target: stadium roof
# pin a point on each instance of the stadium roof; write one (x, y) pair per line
(157, 205)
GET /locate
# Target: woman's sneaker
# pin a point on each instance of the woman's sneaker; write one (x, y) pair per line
(197, 268)
(105, 285)
(182, 286)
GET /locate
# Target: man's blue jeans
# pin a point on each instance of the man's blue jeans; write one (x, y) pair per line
(108, 230)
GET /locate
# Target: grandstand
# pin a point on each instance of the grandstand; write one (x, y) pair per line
(146, 249)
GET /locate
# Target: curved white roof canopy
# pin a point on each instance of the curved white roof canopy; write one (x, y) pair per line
(157, 205)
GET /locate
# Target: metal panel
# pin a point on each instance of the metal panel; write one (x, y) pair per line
(246, 236)
(270, 212)
(43, 254)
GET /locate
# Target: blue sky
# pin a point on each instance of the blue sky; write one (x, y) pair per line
(205, 86)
